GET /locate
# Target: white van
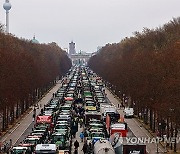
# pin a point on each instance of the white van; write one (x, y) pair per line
(46, 148)
(108, 109)
(128, 112)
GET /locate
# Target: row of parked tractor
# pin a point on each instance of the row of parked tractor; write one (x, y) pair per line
(107, 129)
(55, 124)
(80, 102)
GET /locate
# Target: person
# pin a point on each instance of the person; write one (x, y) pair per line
(89, 147)
(73, 128)
(75, 151)
(85, 148)
(34, 111)
(10, 143)
(103, 90)
(122, 105)
(81, 136)
(85, 135)
(5, 146)
(73, 133)
(34, 117)
(42, 111)
(81, 122)
(76, 125)
(76, 145)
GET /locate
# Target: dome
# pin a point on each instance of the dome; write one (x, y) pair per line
(7, 6)
(34, 40)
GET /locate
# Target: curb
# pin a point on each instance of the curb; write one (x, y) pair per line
(114, 94)
(16, 122)
(29, 110)
(169, 151)
(138, 120)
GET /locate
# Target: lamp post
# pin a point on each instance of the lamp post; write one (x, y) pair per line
(165, 147)
(157, 146)
(171, 110)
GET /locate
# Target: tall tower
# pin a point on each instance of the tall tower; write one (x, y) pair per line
(7, 7)
(72, 48)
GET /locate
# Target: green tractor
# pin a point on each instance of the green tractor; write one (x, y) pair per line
(62, 141)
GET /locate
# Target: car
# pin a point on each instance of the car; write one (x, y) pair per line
(20, 150)
(95, 136)
(40, 135)
(66, 108)
(69, 95)
(95, 126)
(41, 126)
(44, 131)
(36, 136)
(128, 112)
(47, 113)
(90, 106)
(62, 122)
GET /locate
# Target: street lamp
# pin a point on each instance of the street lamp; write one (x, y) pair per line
(171, 110)
(157, 145)
(165, 148)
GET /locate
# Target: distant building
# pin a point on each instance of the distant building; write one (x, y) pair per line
(72, 48)
(80, 58)
(34, 40)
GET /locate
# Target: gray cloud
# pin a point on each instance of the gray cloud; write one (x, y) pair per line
(90, 23)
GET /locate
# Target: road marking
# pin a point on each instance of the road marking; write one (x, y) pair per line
(147, 148)
(116, 100)
(21, 134)
(16, 127)
(141, 128)
(58, 85)
(38, 111)
(147, 134)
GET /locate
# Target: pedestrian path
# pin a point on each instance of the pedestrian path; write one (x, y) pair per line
(136, 127)
(79, 140)
(16, 132)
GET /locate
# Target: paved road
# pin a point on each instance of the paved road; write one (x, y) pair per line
(24, 127)
(136, 127)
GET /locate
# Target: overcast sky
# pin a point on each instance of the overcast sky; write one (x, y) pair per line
(89, 23)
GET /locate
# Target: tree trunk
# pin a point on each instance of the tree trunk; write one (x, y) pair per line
(171, 134)
(151, 119)
(146, 115)
(4, 119)
(22, 106)
(175, 135)
(17, 110)
(7, 117)
(154, 122)
(167, 132)
(12, 115)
